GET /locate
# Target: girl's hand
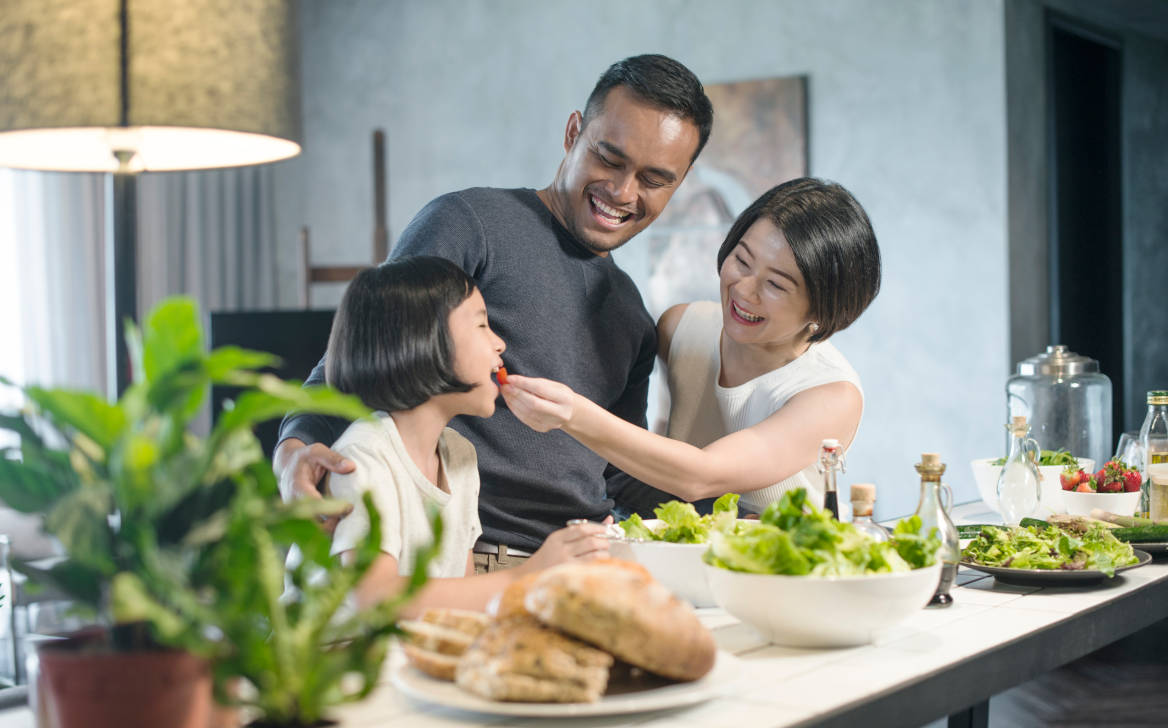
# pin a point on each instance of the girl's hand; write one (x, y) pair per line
(580, 541)
(541, 404)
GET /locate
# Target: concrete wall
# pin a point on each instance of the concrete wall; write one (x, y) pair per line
(906, 109)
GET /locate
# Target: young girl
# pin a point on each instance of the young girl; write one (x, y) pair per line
(755, 386)
(411, 339)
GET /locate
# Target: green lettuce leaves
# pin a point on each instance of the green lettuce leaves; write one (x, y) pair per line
(1049, 547)
(791, 537)
(681, 522)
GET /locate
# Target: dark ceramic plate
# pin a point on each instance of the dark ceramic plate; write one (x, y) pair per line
(1152, 548)
(1052, 577)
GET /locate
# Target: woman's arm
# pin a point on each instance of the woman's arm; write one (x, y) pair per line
(743, 461)
(473, 591)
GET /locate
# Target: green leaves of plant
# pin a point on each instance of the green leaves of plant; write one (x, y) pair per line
(84, 412)
(274, 397)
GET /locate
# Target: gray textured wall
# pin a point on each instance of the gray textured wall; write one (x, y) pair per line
(906, 107)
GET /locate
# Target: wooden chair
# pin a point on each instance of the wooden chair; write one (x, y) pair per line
(345, 273)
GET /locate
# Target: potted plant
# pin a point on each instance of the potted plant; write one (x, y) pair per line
(175, 544)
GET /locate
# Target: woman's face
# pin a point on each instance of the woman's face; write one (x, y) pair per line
(764, 299)
(476, 355)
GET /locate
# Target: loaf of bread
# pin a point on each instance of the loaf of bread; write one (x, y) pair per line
(625, 612)
(434, 642)
(463, 620)
(519, 659)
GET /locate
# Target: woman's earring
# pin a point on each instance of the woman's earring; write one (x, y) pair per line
(814, 327)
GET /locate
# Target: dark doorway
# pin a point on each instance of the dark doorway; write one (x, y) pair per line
(1086, 224)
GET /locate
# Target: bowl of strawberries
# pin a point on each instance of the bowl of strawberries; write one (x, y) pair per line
(1114, 488)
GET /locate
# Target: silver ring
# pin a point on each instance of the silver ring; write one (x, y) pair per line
(578, 521)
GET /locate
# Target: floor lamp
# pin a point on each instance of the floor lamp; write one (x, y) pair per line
(131, 86)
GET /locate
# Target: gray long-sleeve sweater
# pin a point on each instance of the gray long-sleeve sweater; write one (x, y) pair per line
(565, 314)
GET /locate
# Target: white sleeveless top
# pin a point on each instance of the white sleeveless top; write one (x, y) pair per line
(702, 411)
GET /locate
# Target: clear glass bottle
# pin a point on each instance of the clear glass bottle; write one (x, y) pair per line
(831, 460)
(1154, 444)
(1019, 490)
(863, 497)
(934, 513)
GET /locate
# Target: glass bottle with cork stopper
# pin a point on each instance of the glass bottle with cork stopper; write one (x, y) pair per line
(1019, 490)
(934, 513)
(863, 497)
(831, 459)
(1154, 445)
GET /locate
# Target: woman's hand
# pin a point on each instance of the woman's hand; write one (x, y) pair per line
(578, 541)
(541, 404)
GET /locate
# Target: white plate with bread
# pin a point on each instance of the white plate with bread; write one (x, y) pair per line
(595, 638)
(653, 696)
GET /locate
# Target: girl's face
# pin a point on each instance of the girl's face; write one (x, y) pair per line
(764, 299)
(476, 355)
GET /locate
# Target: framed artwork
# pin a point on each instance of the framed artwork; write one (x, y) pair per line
(759, 139)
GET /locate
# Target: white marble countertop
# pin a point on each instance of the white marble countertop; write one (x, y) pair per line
(940, 661)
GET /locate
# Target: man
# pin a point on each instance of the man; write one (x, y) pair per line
(566, 311)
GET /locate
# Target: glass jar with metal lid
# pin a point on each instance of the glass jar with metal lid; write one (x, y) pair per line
(1067, 401)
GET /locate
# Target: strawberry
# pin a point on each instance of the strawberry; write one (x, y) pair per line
(1111, 486)
(1070, 477)
(1084, 487)
(1132, 480)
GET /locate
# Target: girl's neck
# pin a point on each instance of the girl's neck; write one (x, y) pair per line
(744, 362)
(420, 429)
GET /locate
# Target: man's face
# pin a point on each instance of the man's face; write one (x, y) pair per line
(620, 170)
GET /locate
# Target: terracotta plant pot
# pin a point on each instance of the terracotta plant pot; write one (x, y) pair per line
(84, 684)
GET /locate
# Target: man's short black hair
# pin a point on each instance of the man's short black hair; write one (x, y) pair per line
(390, 343)
(833, 243)
(661, 82)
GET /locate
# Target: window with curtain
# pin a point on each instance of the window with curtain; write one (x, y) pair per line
(210, 235)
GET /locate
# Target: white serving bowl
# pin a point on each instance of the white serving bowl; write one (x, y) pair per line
(676, 565)
(985, 474)
(1080, 504)
(822, 611)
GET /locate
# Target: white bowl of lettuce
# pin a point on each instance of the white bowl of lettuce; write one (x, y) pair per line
(805, 580)
(671, 545)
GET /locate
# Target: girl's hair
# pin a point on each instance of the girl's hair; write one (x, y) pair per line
(833, 243)
(390, 343)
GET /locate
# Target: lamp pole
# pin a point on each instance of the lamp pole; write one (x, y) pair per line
(121, 266)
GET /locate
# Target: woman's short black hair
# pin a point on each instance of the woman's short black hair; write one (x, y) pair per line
(390, 343)
(833, 242)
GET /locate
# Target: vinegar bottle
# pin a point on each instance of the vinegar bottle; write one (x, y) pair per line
(831, 459)
(1019, 491)
(934, 513)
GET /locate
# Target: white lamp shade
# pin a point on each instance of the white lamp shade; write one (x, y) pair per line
(198, 84)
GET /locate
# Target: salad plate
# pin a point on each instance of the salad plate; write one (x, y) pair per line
(657, 695)
(1052, 577)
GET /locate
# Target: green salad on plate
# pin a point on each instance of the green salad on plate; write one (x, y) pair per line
(1049, 547)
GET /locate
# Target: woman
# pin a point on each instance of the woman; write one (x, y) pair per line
(754, 384)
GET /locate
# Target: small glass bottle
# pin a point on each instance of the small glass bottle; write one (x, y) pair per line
(934, 513)
(863, 497)
(831, 459)
(1019, 490)
(1154, 444)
